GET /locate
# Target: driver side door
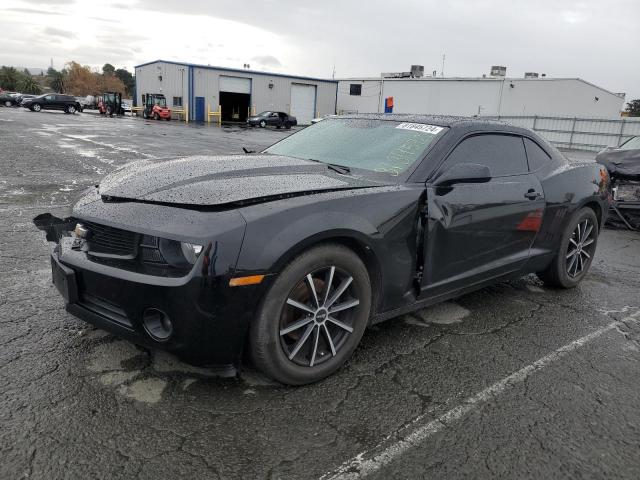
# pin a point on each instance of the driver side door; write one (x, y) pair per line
(477, 231)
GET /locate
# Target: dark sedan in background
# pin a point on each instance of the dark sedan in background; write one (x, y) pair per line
(272, 119)
(291, 253)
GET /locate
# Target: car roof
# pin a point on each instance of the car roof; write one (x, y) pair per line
(439, 120)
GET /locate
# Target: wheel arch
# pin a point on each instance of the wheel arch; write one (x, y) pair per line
(351, 240)
(597, 209)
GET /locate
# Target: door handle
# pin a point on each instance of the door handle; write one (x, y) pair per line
(532, 194)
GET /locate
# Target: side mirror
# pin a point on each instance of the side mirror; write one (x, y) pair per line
(464, 173)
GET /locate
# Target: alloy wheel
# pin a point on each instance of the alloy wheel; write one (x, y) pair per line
(318, 316)
(580, 248)
(36, 107)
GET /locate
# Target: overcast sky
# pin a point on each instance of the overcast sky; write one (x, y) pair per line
(597, 40)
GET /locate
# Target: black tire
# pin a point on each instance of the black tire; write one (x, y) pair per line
(70, 109)
(145, 115)
(156, 116)
(287, 125)
(580, 238)
(313, 359)
(8, 103)
(263, 124)
(36, 107)
(109, 111)
(168, 119)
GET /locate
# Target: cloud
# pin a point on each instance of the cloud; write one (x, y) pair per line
(56, 32)
(32, 11)
(268, 61)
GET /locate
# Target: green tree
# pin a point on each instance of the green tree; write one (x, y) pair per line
(108, 69)
(128, 80)
(633, 107)
(29, 85)
(56, 80)
(9, 77)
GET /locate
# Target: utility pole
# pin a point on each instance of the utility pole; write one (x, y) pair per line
(442, 71)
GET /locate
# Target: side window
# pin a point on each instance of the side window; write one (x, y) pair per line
(177, 101)
(536, 156)
(49, 98)
(355, 89)
(503, 154)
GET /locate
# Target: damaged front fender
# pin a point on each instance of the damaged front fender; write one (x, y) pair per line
(54, 227)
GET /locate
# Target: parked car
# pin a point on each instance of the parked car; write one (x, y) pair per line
(291, 253)
(9, 99)
(272, 119)
(126, 105)
(623, 164)
(25, 97)
(53, 101)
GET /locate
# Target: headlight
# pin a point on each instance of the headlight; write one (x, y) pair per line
(179, 254)
(190, 251)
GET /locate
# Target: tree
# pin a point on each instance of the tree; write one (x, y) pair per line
(80, 80)
(56, 80)
(127, 79)
(108, 69)
(633, 107)
(29, 85)
(9, 77)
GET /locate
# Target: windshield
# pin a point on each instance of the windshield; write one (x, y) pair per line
(632, 144)
(264, 114)
(377, 145)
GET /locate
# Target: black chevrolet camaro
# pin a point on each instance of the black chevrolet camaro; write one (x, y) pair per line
(289, 254)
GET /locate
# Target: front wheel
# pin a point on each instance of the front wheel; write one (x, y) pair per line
(576, 251)
(36, 107)
(263, 124)
(71, 109)
(7, 103)
(156, 116)
(287, 125)
(313, 316)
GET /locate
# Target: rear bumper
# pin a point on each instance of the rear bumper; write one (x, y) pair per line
(209, 319)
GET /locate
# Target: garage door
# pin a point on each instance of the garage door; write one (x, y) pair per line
(235, 84)
(303, 102)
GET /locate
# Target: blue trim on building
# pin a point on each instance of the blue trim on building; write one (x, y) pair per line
(192, 102)
(226, 69)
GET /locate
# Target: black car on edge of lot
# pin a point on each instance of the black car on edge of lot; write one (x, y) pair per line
(53, 101)
(272, 119)
(10, 99)
(291, 253)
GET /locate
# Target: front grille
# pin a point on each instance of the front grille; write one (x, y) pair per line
(107, 241)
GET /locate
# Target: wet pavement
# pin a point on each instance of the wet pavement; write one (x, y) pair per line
(513, 381)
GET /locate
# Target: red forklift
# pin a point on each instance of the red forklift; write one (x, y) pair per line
(155, 106)
(110, 103)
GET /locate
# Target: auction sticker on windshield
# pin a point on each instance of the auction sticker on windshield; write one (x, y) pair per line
(420, 127)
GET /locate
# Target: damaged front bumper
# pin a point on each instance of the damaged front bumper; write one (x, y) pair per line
(625, 206)
(208, 319)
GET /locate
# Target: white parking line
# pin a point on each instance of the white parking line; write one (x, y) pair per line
(372, 460)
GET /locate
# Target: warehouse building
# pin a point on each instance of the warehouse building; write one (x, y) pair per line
(493, 95)
(239, 92)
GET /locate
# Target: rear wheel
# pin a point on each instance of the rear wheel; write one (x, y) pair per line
(70, 109)
(156, 116)
(109, 111)
(7, 103)
(263, 124)
(145, 115)
(287, 125)
(577, 248)
(313, 316)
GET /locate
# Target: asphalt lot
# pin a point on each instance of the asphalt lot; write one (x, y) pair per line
(513, 381)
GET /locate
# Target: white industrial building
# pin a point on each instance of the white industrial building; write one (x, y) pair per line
(498, 95)
(239, 92)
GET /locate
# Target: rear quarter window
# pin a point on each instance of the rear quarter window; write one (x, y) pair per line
(536, 156)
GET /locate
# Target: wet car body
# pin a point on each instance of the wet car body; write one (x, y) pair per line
(421, 239)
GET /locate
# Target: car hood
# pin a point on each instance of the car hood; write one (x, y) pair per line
(212, 181)
(624, 164)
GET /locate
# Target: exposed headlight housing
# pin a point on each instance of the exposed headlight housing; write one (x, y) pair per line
(179, 254)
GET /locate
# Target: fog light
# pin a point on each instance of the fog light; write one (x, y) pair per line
(157, 324)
